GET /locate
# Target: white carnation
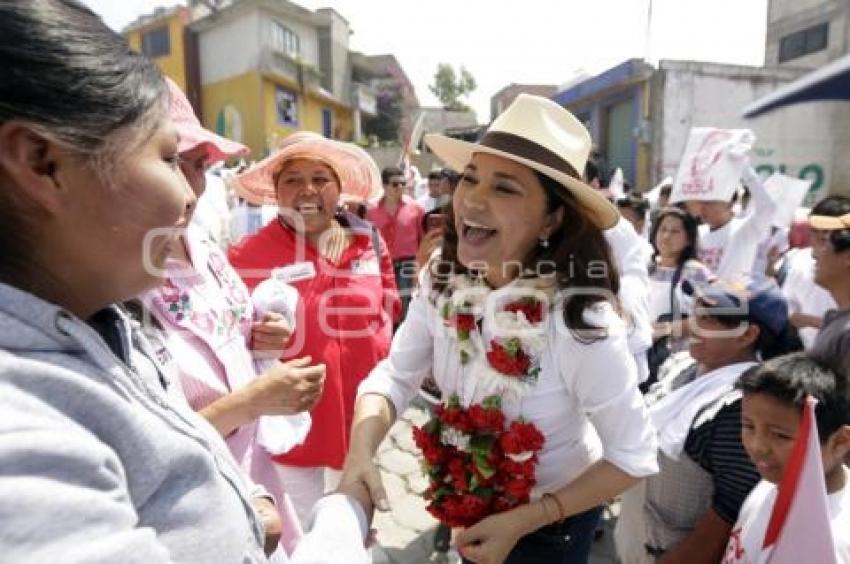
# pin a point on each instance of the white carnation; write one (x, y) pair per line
(458, 439)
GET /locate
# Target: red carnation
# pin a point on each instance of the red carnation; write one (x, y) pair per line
(518, 487)
(422, 438)
(454, 416)
(511, 442)
(486, 420)
(434, 455)
(473, 506)
(521, 437)
(451, 511)
(504, 503)
(525, 469)
(530, 307)
(432, 451)
(464, 510)
(457, 470)
(532, 438)
(509, 362)
(464, 322)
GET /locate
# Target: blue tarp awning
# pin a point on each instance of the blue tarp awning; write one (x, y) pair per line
(611, 77)
(831, 82)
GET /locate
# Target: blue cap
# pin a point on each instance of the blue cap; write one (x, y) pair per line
(759, 301)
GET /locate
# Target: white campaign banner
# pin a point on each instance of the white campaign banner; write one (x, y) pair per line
(788, 193)
(712, 164)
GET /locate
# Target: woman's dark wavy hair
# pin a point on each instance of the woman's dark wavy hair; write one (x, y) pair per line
(574, 248)
(691, 226)
(72, 79)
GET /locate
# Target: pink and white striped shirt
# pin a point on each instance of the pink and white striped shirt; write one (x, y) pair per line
(206, 314)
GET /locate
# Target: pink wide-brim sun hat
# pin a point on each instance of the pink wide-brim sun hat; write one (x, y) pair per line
(359, 177)
(193, 134)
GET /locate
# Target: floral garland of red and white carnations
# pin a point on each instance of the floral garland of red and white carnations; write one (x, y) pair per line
(476, 462)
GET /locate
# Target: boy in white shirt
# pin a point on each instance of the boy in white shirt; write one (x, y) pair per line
(774, 395)
(728, 244)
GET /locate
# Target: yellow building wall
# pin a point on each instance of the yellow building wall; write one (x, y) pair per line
(172, 65)
(243, 92)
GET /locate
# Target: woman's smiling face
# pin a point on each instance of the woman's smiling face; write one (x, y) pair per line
(500, 216)
(311, 190)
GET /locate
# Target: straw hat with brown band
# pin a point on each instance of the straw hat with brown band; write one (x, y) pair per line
(543, 136)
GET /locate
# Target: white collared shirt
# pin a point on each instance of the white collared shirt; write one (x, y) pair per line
(585, 401)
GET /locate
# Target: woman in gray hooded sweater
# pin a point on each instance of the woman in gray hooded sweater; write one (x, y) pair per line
(100, 460)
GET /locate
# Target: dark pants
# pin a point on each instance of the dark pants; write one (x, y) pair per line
(567, 542)
(405, 272)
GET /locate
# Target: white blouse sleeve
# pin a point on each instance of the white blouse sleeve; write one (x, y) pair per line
(632, 254)
(399, 376)
(602, 377)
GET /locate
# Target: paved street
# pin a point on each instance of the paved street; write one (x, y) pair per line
(405, 534)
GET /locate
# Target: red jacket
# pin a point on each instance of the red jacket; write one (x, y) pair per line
(342, 321)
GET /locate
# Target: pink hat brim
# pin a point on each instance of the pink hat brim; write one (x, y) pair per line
(218, 148)
(193, 134)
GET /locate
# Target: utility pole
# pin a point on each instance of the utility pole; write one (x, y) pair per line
(647, 48)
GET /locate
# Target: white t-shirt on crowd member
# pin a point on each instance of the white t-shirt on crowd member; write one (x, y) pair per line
(747, 535)
(730, 251)
(803, 294)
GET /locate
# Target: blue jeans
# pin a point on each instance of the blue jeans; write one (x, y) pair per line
(567, 542)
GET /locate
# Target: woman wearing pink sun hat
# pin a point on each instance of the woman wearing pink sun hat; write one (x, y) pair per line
(207, 321)
(342, 271)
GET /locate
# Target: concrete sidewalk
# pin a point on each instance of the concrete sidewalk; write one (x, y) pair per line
(405, 535)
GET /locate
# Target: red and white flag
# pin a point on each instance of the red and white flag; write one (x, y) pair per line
(799, 529)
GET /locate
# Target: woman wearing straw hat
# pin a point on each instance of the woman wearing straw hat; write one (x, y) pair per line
(541, 420)
(343, 274)
(207, 321)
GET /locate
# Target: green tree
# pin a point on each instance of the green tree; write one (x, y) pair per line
(449, 88)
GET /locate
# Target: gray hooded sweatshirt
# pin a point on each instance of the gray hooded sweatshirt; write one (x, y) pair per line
(98, 461)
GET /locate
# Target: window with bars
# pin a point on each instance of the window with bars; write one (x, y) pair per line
(804, 42)
(156, 42)
(286, 103)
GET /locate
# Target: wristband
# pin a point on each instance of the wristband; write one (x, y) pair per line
(553, 497)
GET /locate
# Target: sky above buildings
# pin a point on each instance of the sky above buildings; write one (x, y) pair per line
(529, 41)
